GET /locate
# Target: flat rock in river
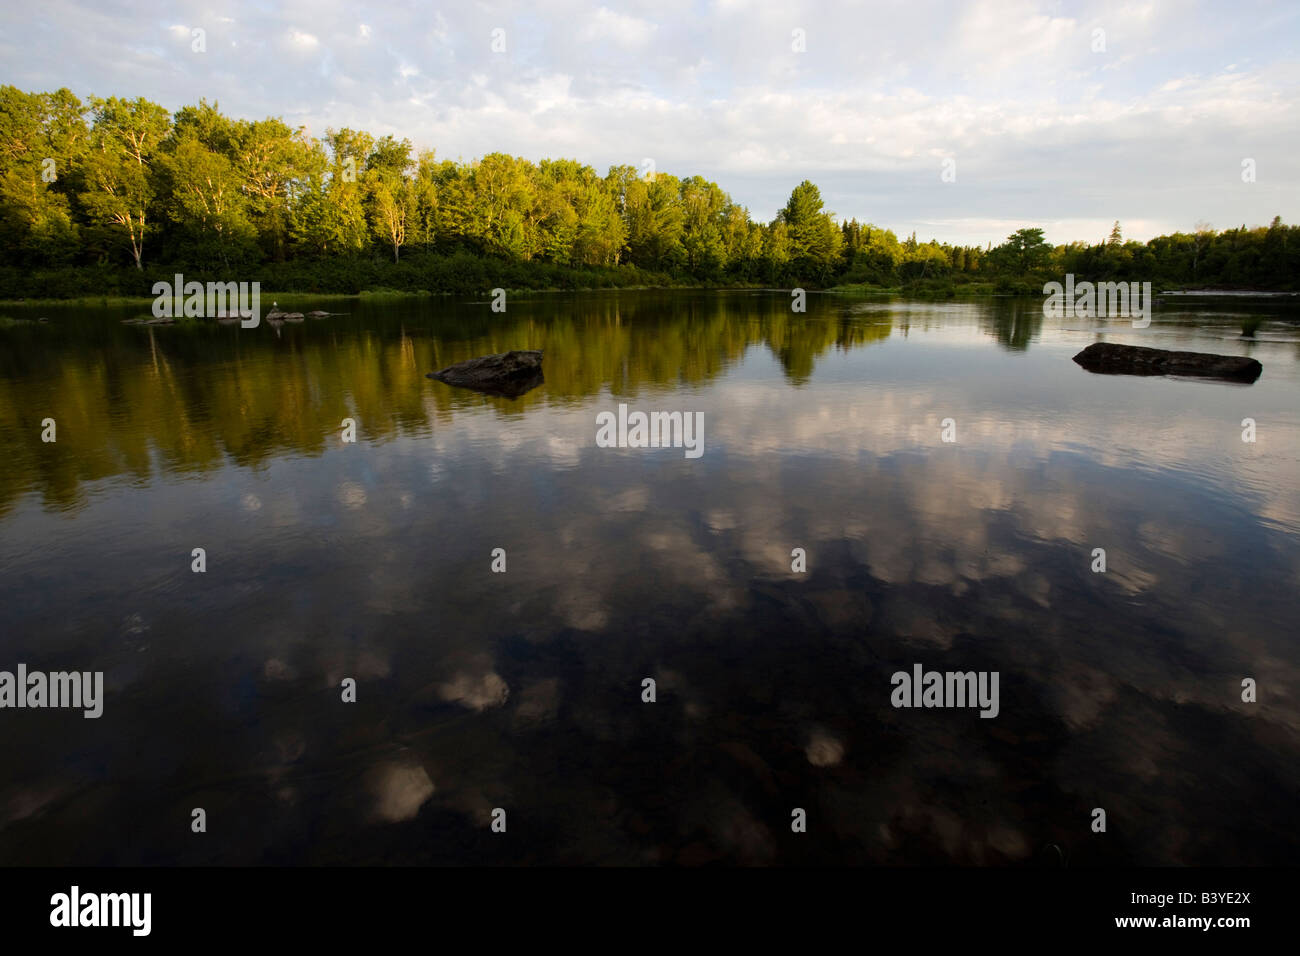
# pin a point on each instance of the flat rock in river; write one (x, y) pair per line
(1109, 358)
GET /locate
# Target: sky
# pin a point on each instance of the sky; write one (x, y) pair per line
(960, 121)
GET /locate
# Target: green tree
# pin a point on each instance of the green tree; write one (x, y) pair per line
(119, 189)
(814, 238)
(1024, 251)
(274, 163)
(703, 204)
(392, 204)
(203, 195)
(42, 142)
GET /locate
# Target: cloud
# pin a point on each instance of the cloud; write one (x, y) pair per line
(399, 788)
(620, 28)
(475, 691)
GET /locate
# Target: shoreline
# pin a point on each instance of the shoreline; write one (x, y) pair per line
(951, 290)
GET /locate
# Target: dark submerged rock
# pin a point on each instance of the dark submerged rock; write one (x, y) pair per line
(1109, 358)
(509, 374)
(512, 387)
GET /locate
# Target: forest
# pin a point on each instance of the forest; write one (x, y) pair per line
(104, 196)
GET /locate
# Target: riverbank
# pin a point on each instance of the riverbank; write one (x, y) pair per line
(462, 274)
(420, 274)
(1033, 287)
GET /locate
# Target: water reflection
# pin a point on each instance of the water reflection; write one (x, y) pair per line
(128, 401)
(522, 689)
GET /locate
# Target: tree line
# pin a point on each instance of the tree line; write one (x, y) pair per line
(107, 185)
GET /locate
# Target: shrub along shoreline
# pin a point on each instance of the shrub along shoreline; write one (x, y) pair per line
(928, 290)
(466, 273)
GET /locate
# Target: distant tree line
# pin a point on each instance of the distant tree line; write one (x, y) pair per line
(114, 183)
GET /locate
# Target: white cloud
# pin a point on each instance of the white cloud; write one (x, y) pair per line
(618, 27)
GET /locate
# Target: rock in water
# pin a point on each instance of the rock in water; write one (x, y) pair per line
(508, 373)
(1109, 358)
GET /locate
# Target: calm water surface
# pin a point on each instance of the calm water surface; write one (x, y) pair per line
(522, 690)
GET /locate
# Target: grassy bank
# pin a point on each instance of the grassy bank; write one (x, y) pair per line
(458, 274)
(927, 289)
